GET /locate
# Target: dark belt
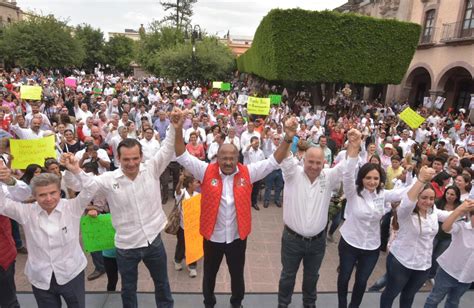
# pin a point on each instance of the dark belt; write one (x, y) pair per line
(304, 238)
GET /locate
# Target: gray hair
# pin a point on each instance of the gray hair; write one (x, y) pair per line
(45, 179)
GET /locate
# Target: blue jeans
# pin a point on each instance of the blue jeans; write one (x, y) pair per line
(335, 222)
(293, 250)
(445, 284)
(439, 246)
(275, 177)
(401, 280)
(349, 256)
(154, 257)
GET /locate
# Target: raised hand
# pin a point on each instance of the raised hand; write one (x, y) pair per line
(354, 137)
(290, 127)
(69, 161)
(177, 117)
(5, 174)
(426, 174)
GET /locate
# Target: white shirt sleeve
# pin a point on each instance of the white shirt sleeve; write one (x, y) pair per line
(164, 155)
(194, 165)
(289, 167)
(261, 169)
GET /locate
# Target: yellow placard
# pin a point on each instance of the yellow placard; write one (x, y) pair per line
(216, 84)
(192, 237)
(411, 118)
(33, 151)
(258, 105)
(31, 92)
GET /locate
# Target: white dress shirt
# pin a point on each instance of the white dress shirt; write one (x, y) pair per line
(225, 230)
(212, 152)
(245, 138)
(458, 259)
(306, 204)
(235, 141)
(101, 153)
(200, 139)
(252, 156)
(363, 213)
(413, 246)
(135, 205)
(150, 148)
(18, 192)
(26, 133)
(52, 240)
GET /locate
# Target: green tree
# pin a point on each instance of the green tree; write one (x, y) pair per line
(92, 40)
(41, 41)
(213, 61)
(180, 12)
(119, 52)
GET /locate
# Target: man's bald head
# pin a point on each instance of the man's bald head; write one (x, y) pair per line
(313, 162)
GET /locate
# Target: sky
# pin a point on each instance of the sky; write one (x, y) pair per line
(241, 18)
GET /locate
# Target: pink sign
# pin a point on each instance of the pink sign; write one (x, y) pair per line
(70, 82)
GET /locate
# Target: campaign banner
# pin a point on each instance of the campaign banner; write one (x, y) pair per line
(411, 118)
(217, 84)
(192, 237)
(31, 151)
(225, 86)
(31, 92)
(97, 232)
(70, 82)
(439, 102)
(258, 105)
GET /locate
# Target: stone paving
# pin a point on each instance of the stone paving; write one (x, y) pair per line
(262, 268)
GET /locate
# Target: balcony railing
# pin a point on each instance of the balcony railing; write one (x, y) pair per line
(456, 31)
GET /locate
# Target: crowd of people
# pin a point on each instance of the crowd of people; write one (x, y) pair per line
(123, 145)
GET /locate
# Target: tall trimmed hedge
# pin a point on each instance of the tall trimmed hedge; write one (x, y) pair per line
(311, 46)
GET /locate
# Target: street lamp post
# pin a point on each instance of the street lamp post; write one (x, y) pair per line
(193, 33)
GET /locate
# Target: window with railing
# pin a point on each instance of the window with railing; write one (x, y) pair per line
(468, 22)
(428, 29)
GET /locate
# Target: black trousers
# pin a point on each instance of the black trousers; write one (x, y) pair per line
(111, 269)
(235, 258)
(73, 292)
(180, 252)
(171, 173)
(7, 287)
(255, 191)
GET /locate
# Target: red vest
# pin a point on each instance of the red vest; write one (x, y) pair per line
(211, 190)
(7, 245)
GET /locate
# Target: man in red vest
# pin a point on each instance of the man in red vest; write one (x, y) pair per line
(225, 208)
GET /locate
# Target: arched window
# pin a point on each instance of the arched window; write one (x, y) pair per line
(428, 30)
(468, 21)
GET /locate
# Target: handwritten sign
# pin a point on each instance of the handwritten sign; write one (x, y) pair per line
(217, 84)
(275, 99)
(225, 86)
(192, 237)
(31, 92)
(97, 233)
(411, 118)
(32, 151)
(257, 105)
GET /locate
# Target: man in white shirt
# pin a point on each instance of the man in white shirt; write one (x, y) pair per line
(150, 145)
(225, 209)
(214, 148)
(252, 154)
(82, 113)
(133, 194)
(247, 135)
(406, 142)
(34, 132)
(56, 262)
(201, 133)
(276, 177)
(307, 193)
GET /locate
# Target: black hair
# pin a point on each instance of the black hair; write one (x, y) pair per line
(465, 162)
(366, 168)
(441, 203)
(30, 172)
(441, 177)
(129, 143)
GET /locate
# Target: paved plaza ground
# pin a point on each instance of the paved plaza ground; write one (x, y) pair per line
(262, 268)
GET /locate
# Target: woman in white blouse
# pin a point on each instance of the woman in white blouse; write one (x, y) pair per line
(360, 233)
(409, 260)
(456, 265)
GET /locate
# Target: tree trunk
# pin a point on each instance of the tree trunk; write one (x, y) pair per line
(316, 95)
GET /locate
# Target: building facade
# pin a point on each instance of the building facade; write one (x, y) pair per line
(443, 64)
(9, 12)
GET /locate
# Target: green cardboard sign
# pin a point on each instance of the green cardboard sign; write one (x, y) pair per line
(97, 233)
(275, 99)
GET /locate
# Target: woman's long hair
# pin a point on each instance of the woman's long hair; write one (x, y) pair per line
(30, 173)
(441, 203)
